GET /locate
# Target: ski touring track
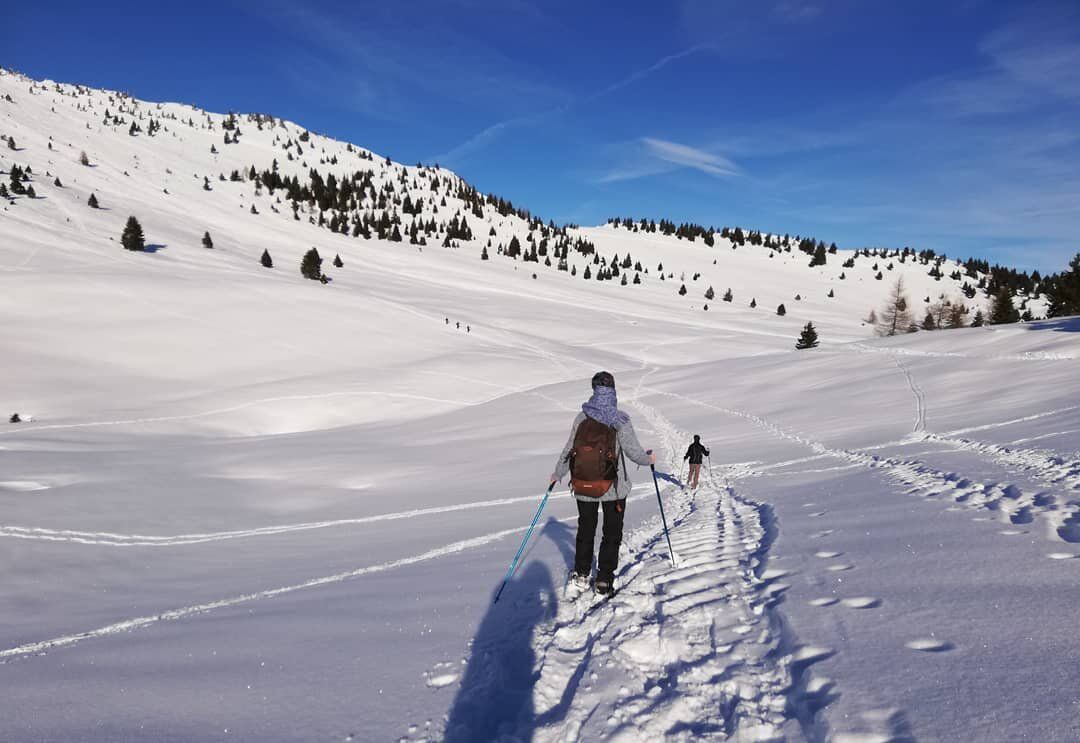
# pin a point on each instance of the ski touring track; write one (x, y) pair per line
(1012, 505)
(694, 651)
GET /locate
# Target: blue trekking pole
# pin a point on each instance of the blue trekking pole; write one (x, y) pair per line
(521, 549)
(663, 518)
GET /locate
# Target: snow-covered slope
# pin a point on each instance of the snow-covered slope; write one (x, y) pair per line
(252, 506)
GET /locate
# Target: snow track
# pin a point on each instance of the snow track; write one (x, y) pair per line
(109, 539)
(920, 398)
(1006, 501)
(691, 652)
(127, 625)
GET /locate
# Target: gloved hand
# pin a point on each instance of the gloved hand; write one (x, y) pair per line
(552, 480)
(652, 457)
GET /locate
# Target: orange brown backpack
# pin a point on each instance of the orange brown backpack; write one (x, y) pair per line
(593, 469)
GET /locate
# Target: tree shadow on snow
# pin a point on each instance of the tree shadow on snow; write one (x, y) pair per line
(1060, 324)
(153, 247)
(495, 697)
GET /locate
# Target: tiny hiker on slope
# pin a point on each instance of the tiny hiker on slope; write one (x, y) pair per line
(694, 454)
(601, 439)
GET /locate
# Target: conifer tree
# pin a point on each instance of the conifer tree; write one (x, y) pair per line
(92, 202)
(30, 193)
(57, 183)
(311, 265)
(728, 296)
(1002, 310)
(11, 143)
(928, 321)
(978, 321)
(781, 310)
(132, 237)
(709, 293)
(84, 159)
(753, 303)
(207, 242)
(1064, 292)
(587, 274)
(808, 338)
(682, 290)
(337, 261)
(266, 260)
(3, 191)
(484, 254)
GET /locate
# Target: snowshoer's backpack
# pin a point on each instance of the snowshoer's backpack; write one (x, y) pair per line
(592, 459)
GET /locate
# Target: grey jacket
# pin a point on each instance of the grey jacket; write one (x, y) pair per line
(627, 444)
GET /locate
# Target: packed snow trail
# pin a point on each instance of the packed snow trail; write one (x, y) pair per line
(693, 652)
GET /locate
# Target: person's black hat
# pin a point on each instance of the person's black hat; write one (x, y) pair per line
(603, 379)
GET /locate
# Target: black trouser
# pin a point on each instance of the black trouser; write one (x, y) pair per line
(609, 543)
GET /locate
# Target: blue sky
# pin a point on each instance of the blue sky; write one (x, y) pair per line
(952, 126)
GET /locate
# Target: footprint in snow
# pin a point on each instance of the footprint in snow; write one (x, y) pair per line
(827, 555)
(824, 601)
(817, 514)
(440, 675)
(929, 645)
(861, 602)
(1061, 556)
(839, 568)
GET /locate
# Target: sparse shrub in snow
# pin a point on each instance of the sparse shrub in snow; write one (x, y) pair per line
(896, 318)
(132, 237)
(84, 159)
(15, 418)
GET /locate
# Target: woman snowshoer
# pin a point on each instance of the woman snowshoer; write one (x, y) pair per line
(694, 454)
(601, 440)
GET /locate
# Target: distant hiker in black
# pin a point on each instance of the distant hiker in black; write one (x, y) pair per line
(696, 451)
(601, 440)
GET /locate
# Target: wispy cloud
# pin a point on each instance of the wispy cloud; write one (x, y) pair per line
(389, 68)
(651, 156)
(492, 132)
(794, 11)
